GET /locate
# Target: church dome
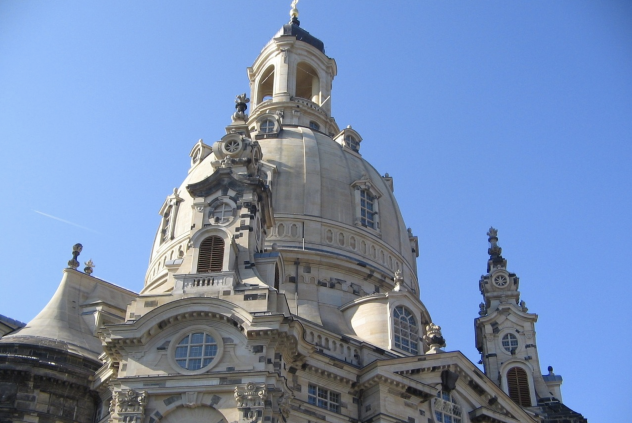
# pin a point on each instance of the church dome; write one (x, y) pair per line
(285, 199)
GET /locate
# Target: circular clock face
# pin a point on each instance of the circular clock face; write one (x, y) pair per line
(501, 280)
(232, 146)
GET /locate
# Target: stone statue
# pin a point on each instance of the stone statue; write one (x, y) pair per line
(399, 281)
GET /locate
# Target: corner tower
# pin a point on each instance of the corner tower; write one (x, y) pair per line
(505, 337)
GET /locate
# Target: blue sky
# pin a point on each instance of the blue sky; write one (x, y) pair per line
(513, 114)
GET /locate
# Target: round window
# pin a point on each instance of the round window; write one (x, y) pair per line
(510, 343)
(195, 350)
(221, 213)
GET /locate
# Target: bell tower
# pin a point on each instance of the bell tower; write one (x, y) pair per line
(505, 335)
(292, 79)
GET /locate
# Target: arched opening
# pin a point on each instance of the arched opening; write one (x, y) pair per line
(211, 256)
(307, 83)
(166, 225)
(266, 85)
(518, 385)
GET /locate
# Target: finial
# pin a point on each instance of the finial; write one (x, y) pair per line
(434, 339)
(76, 250)
(241, 104)
(89, 267)
(550, 369)
(294, 13)
(494, 249)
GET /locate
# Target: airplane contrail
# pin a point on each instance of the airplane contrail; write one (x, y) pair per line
(65, 221)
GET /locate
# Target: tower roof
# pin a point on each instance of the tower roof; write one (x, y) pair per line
(293, 28)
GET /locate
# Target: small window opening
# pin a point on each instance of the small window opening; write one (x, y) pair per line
(352, 143)
(323, 398)
(266, 85)
(276, 277)
(307, 83)
(314, 125)
(267, 126)
(367, 209)
(211, 257)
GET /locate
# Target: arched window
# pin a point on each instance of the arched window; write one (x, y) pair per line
(267, 126)
(211, 257)
(307, 83)
(518, 385)
(266, 85)
(446, 408)
(405, 331)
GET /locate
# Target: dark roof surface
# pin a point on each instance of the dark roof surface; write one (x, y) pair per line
(11, 322)
(293, 28)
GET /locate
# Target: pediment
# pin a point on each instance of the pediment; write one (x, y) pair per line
(224, 179)
(429, 374)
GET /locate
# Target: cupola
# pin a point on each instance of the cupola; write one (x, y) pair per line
(292, 78)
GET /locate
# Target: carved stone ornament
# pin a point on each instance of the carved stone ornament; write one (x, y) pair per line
(482, 309)
(251, 401)
(434, 338)
(130, 405)
(251, 395)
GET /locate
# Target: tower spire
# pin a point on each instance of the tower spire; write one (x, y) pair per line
(496, 260)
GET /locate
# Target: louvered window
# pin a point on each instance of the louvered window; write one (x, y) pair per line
(518, 384)
(211, 257)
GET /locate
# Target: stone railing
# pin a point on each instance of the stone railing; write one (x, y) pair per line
(204, 282)
(308, 103)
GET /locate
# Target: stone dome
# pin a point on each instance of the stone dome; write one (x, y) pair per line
(292, 204)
